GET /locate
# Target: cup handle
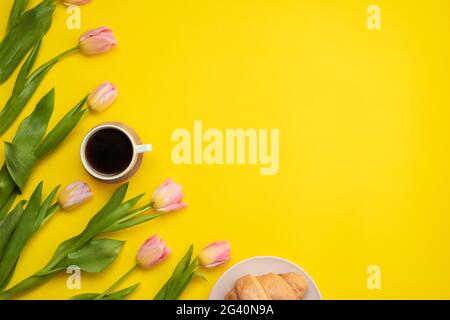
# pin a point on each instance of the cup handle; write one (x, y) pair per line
(143, 148)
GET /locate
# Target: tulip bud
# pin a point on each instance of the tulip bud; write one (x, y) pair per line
(97, 41)
(75, 2)
(102, 97)
(168, 197)
(74, 195)
(215, 254)
(152, 252)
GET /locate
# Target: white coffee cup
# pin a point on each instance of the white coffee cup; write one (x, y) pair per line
(138, 150)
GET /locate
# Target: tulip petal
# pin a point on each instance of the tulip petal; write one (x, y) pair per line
(153, 240)
(212, 265)
(172, 207)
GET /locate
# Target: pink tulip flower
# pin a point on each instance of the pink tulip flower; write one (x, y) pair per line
(168, 197)
(152, 252)
(74, 195)
(102, 97)
(97, 41)
(215, 254)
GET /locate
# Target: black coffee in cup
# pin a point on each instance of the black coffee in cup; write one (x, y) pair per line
(112, 152)
(109, 151)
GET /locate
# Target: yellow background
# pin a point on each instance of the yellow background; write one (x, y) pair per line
(364, 122)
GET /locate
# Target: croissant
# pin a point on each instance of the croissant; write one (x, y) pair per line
(271, 286)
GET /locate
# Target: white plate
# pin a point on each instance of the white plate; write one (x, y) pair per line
(258, 266)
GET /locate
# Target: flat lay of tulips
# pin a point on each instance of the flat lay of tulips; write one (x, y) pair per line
(92, 250)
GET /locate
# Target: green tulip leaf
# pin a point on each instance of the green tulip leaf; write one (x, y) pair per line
(119, 295)
(17, 229)
(30, 282)
(20, 163)
(97, 226)
(22, 93)
(184, 263)
(25, 33)
(26, 85)
(17, 9)
(181, 276)
(61, 130)
(26, 68)
(8, 226)
(85, 296)
(22, 233)
(122, 294)
(33, 128)
(95, 256)
(9, 276)
(131, 223)
(19, 156)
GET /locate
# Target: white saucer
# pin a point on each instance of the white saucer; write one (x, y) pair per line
(258, 266)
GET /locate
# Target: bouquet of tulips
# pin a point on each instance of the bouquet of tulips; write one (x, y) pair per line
(89, 250)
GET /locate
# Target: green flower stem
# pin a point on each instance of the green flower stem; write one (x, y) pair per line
(51, 212)
(135, 213)
(131, 219)
(116, 284)
(53, 61)
(7, 194)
